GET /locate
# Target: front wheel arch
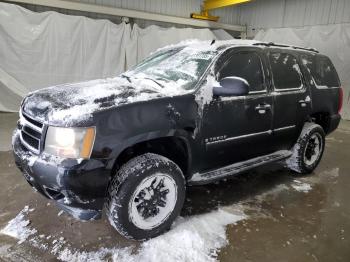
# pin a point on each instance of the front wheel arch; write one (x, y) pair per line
(176, 148)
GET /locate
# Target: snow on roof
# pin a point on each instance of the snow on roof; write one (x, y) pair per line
(208, 45)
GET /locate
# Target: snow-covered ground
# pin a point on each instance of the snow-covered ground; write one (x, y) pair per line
(19, 226)
(194, 238)
(301, 186)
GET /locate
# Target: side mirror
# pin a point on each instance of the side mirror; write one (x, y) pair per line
(231, 86)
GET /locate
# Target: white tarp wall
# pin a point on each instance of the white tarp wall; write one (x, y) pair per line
(44, 49)
(41, 49)
(331, 40)
(145, 41)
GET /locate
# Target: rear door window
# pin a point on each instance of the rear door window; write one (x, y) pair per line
(285, 71)
(321, 70)
(246, 65)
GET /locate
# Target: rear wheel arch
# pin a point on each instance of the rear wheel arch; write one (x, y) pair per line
(308, 149)
(322, 119)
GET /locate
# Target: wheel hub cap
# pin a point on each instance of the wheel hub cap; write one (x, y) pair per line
(313, 149)
(158, 194)
(153, 201)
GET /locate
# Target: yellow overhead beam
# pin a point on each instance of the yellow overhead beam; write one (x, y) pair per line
(214, 4)
(204, 15)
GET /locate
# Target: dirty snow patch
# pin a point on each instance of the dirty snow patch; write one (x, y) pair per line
(18, 227)
(301, 186)
(123, 254)
(195, 238)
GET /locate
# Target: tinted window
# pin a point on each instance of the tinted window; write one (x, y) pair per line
(321, 70)
(285, 71)
(246, 65)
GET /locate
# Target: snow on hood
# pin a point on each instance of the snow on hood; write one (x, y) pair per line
(76, 102)
(72, 103)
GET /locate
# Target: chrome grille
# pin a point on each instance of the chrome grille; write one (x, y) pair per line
(31, 132)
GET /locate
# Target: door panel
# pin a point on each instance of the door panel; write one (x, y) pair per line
(288, 118)
(240, 132)
(238, 128)
(291, 99)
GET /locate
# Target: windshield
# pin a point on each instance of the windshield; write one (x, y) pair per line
(184, 66)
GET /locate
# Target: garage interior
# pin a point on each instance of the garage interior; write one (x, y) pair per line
(276, 216)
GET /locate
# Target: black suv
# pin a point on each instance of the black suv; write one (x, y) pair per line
(189, 114)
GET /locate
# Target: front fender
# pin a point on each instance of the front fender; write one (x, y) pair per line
(122, 127)
(180, 134)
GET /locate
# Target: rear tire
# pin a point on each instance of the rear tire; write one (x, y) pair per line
(308, 150)
(145, 196)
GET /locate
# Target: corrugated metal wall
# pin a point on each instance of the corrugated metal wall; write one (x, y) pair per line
(168, 7)
(181, 8)
(256, 14)
(291, 13)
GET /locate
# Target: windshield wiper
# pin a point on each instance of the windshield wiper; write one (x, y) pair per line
(127, 77)
(154, 81)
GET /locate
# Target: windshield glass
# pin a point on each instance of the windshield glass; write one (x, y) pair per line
(183, 66)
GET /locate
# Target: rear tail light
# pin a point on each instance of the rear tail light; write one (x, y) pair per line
(341, 95)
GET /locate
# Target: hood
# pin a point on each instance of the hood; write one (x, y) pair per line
(64, 104)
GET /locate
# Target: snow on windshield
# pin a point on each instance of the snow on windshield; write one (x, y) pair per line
(182, 65)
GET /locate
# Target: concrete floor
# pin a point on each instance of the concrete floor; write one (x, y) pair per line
(283, 223)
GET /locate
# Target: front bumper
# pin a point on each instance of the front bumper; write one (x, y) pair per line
(78, 188)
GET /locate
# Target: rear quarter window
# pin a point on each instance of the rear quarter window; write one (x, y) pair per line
(285, 71)
(321, 69)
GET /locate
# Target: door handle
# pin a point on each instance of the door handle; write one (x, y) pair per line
(262, 108)
(304, 102)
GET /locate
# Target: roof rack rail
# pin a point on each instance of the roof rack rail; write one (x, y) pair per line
(280, 45)
(306, 48)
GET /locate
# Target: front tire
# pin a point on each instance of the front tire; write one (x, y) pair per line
(308, 150)
(145, 196)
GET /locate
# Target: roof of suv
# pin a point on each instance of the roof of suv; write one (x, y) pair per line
(221, 44)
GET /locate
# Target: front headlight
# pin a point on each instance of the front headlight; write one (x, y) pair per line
(70, 142)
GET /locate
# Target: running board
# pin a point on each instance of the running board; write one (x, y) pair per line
(223, 172)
